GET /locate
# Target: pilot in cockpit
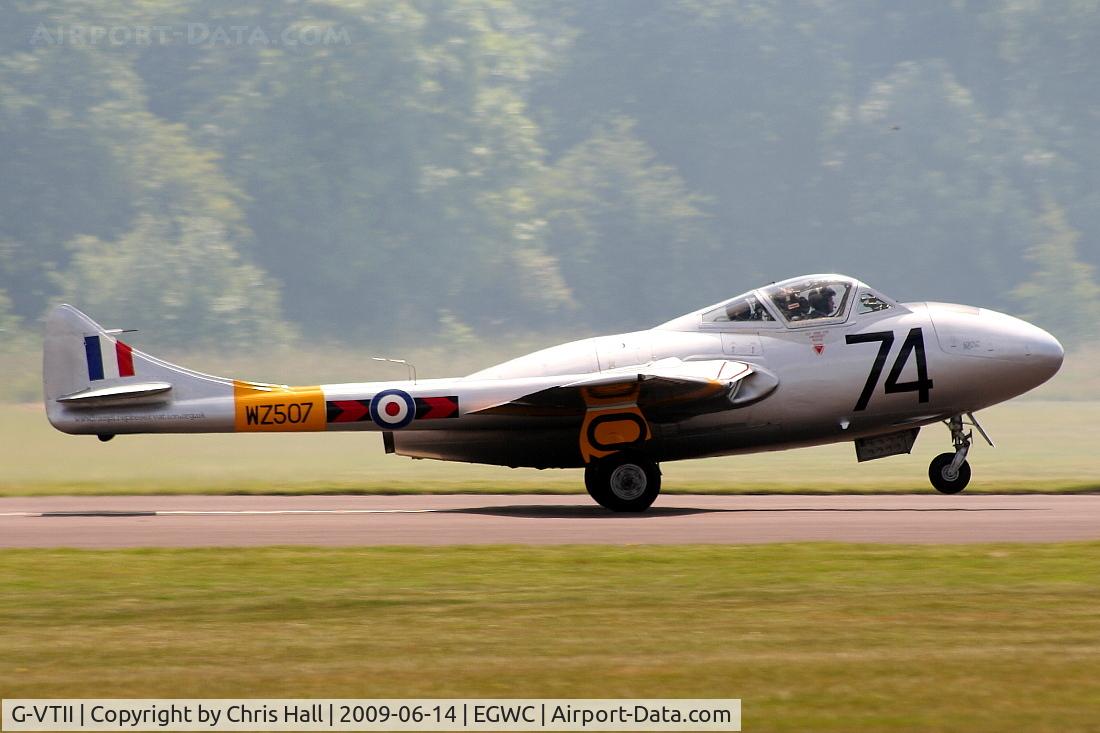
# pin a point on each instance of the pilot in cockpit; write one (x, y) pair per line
(822, 302)
(794, 306)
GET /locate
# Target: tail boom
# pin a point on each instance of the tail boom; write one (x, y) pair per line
(95, 384)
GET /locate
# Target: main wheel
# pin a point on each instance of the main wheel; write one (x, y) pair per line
(943, 478)
(623, 483)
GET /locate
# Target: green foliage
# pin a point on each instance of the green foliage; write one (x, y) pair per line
(1062, 294)
(388, 177)
(493, 167)
(89, 163)
(59, 177)
(20, 358)
(614, 219)
(942, 198)
(183, 270)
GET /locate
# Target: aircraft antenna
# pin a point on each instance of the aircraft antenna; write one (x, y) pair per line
(407, 364)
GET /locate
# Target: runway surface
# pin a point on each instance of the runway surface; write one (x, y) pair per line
(212, 521)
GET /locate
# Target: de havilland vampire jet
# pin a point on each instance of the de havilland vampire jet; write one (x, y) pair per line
(811, 360)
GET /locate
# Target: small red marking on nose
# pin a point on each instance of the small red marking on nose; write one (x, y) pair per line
(392, 408)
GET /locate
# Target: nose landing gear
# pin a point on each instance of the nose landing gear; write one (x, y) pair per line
(949, 472)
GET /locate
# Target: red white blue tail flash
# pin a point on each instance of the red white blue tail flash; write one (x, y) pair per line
(107, 358)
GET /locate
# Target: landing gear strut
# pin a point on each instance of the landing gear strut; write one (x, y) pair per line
(949, 472)
(623, 482)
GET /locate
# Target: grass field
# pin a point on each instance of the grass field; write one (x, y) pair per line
(1042, 446)
(813, 636)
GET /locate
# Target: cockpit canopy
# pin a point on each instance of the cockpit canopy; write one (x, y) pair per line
(810, 299)
(743, 308)
(799, 301)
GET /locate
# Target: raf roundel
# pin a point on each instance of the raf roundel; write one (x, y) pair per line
(392, 409)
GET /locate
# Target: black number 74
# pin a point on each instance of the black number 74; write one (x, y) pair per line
(913, 342)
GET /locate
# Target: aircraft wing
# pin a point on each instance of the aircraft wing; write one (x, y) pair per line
(650, 387)
(615, 408)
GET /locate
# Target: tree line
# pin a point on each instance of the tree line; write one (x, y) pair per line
(385, 170)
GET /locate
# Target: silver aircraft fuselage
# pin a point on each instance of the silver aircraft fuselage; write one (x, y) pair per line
(811, 360)
(974, 358)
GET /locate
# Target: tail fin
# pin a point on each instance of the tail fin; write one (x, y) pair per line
(85, 367)
(80, 355)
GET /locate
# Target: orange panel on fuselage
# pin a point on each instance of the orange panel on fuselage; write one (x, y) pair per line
(263, 408)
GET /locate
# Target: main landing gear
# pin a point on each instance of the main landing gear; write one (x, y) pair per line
(623, 482)
(949, 472)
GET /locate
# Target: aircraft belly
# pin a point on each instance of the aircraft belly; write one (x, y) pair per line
(531, 447)
(715, 434)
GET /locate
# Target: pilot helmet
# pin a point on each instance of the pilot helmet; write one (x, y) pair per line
(821, 297)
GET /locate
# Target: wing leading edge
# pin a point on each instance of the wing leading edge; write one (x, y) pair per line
(664, 383)
(617, 406)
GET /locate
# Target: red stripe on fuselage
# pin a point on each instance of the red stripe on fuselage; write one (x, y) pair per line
(125, 359)
(440, 407)
(353, 410)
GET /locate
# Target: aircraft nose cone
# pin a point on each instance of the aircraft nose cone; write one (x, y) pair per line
(1046, 353)
(1015, 356)
(1031, 350)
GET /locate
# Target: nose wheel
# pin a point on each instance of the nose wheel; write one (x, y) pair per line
(949, 472)
(945, 476)
(623, 483)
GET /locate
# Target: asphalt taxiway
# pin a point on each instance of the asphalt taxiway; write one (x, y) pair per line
(228, 521)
